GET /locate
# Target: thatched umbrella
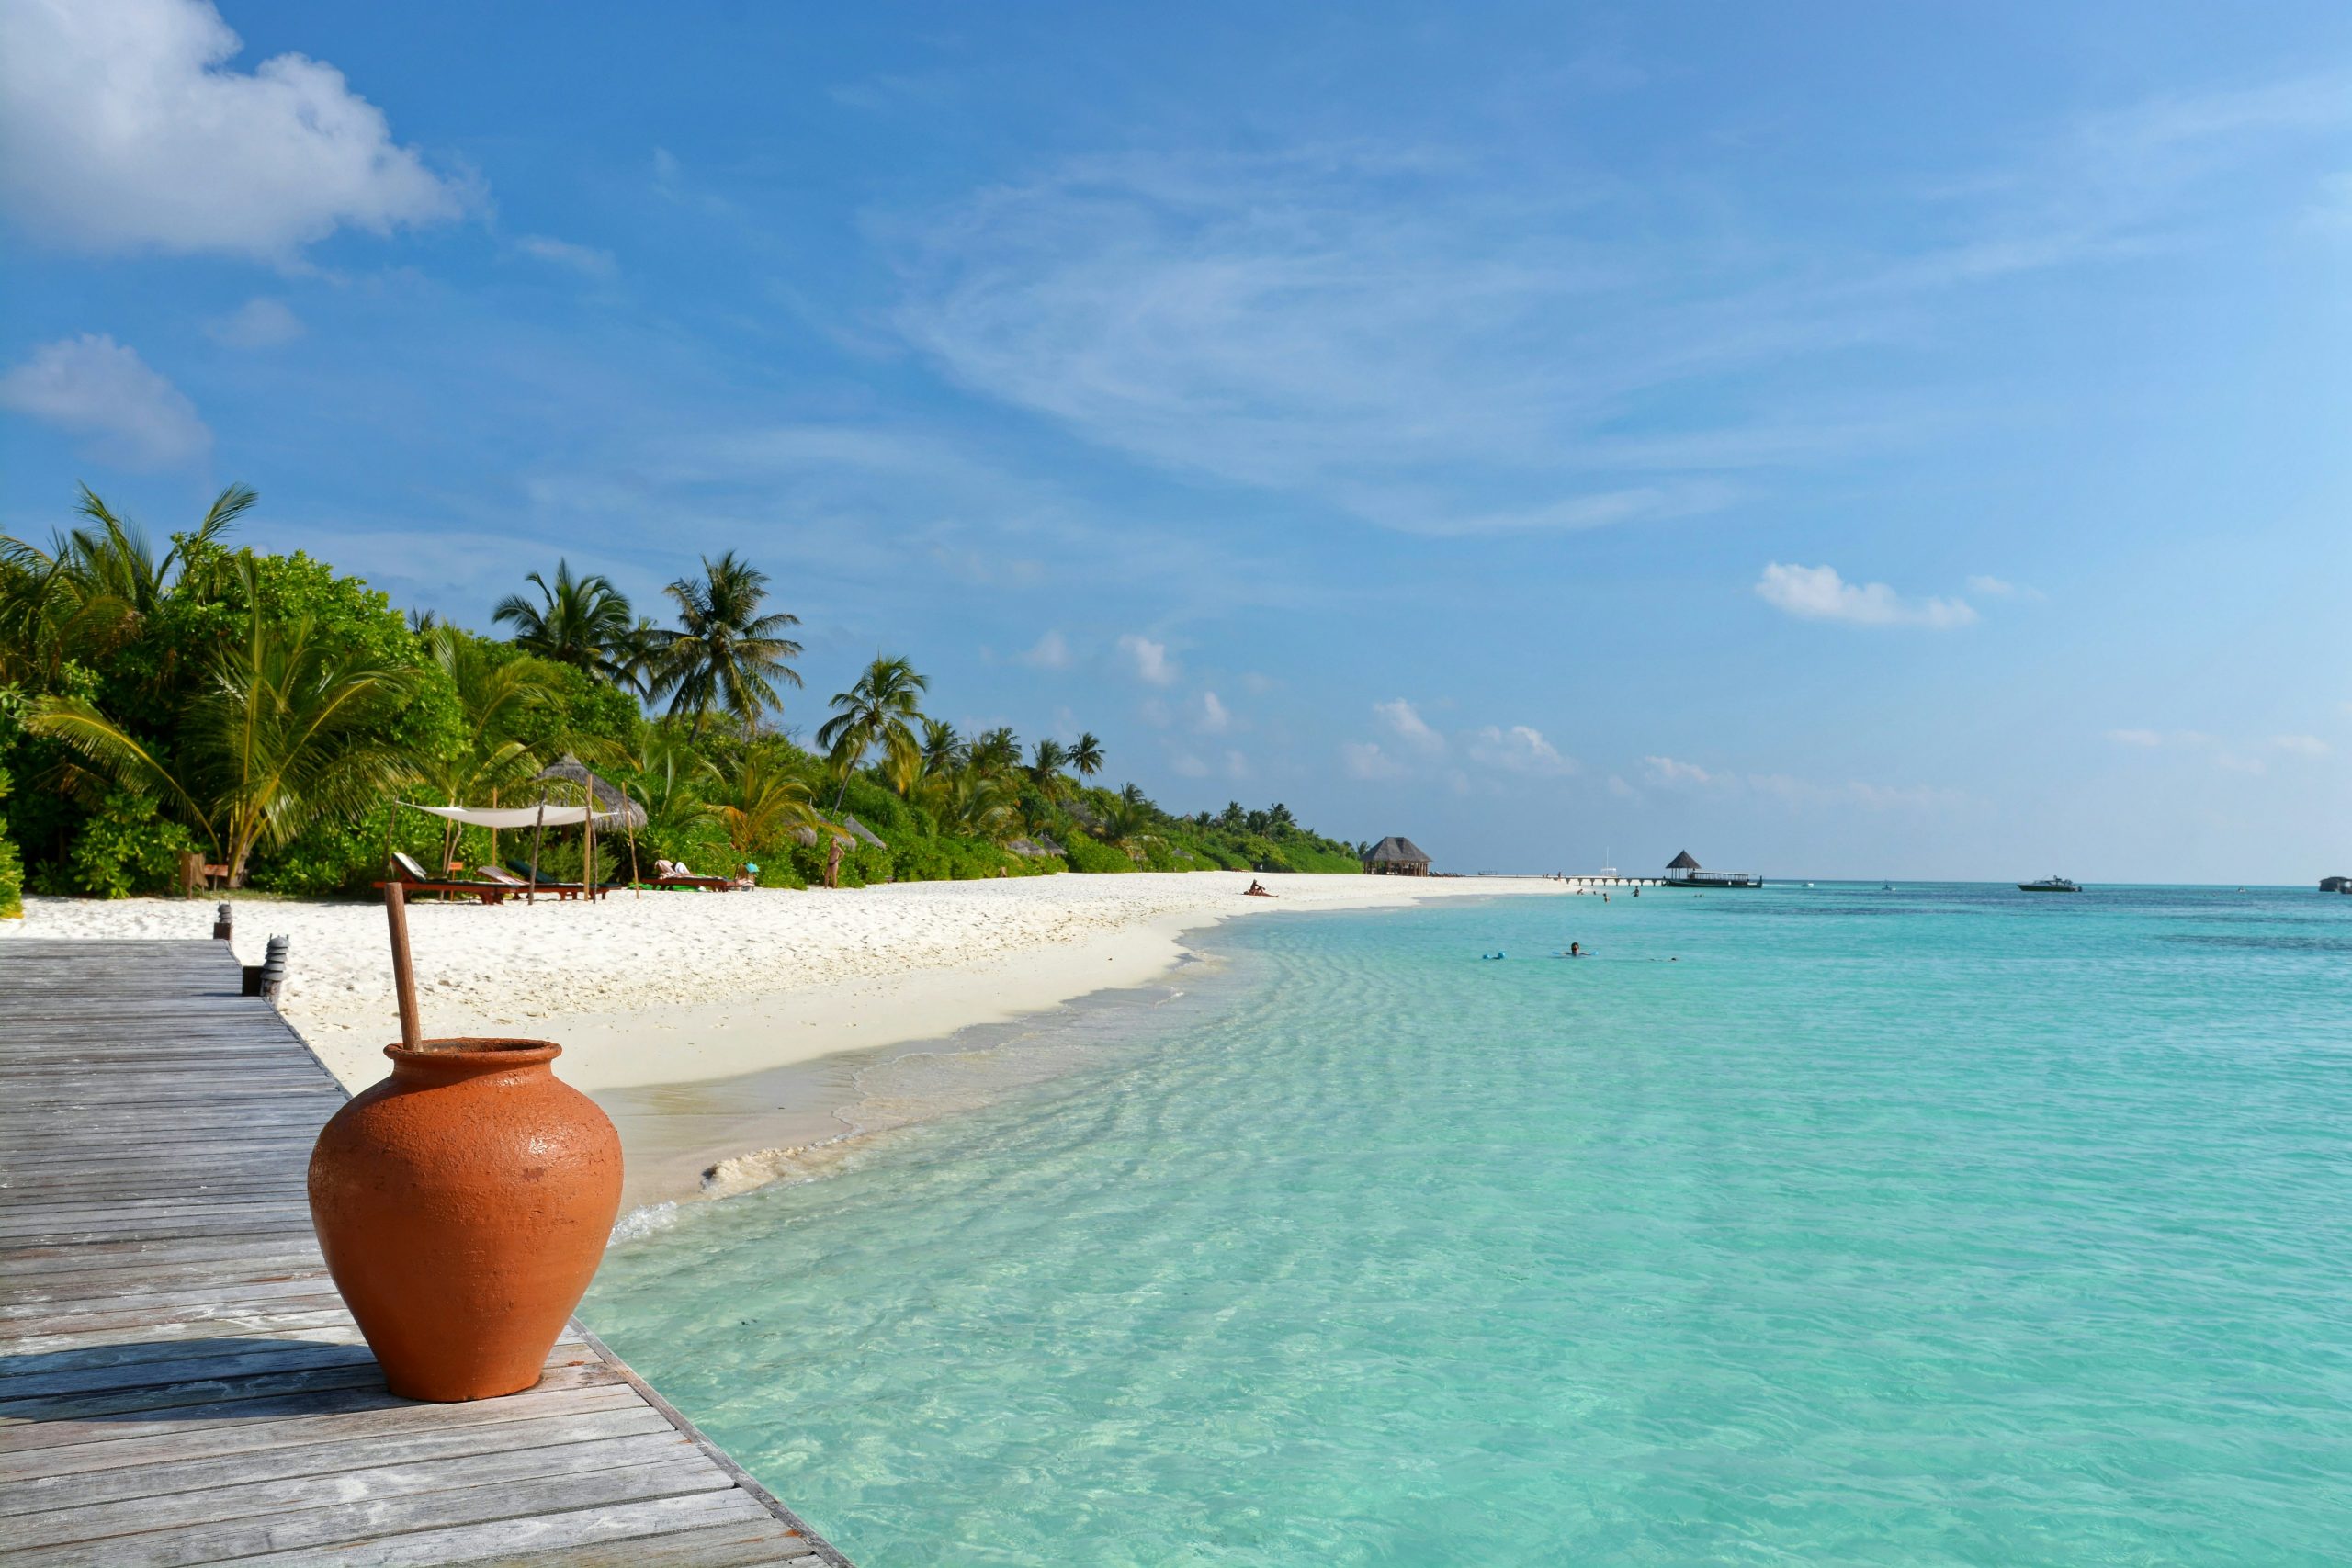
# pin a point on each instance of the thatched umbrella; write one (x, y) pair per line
(604, 797)
(1682, 862)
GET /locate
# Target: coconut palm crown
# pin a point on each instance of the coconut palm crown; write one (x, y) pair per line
(881, 709)
(725, 652)
(584, 621)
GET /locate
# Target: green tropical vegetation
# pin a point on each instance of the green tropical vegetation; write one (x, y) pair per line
(274, 716)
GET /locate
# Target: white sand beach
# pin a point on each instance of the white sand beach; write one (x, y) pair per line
(677, 989)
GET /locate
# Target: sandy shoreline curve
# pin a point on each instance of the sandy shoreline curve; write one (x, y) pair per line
(704, 1021)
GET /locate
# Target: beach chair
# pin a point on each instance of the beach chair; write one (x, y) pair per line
(520, 873)
(414, 880)
(688, 880)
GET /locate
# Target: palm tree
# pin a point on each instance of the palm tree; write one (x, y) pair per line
(997, 751)
(876, 711)
(282, 730)
(644, 654)
(87, 594)
(942, 749)
(759, 804)
(493, 695)
(1045, 769)
(582, 621)
(1087, 755)
(724, 650)
(660, 772)
(971, 804)
(1128, 824)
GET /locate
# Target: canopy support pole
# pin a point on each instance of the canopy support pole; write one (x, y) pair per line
(538, 831)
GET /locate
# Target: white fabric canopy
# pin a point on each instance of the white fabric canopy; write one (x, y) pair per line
(519, 816)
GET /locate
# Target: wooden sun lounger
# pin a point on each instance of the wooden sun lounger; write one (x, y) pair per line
(716, 884)
(488, 892)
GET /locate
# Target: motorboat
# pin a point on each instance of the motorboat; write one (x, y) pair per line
(2049, 885)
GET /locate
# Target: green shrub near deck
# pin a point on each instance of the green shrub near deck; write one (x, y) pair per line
(12, 868)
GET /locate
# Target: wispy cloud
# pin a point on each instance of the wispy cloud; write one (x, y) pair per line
(1150, 659)
(1818, 593)
(1384, 329)
(1521, 748)
(1365, 759)
(2001, 587)
(587, 260)
(1214, 719)
(1671, 771)
(1668, 772)
(1422, 336)
(1050, 651)
(2235, 757)
(1405, 721)
(256, 324)
(101, 392)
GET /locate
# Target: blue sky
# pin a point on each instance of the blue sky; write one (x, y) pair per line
(1839, 440)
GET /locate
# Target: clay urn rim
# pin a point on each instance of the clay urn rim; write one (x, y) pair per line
(479, 1050)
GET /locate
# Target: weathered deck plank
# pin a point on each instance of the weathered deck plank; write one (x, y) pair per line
(179, 1383)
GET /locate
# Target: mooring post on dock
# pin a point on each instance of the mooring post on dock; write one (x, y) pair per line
(273, 968)
(220, 922)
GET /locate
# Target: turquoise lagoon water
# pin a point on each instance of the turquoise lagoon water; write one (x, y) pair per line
(1942, 1226)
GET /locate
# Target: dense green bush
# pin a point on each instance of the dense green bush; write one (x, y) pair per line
(124, 847)
(12, 868)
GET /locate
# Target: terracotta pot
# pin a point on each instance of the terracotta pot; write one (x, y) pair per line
(463, 1204)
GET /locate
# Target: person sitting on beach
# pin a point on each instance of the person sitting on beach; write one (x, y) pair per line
(1255, 890)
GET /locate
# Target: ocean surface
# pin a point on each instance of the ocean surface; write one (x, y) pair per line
(1806, 1225)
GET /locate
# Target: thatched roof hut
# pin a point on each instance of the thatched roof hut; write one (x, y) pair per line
(1396, 855)
(1682, 862)
(608, 795)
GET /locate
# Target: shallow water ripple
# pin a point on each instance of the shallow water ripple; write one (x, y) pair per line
(2008, 1231)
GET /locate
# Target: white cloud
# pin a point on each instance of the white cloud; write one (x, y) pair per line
(1405, 720)
(128, 131)
(256, 324)
(1818, 593)
(1214, 717)
(583, 259)
(1365, 759)
(1620, 789)
(1666, 770)
(2237, 765)
(2301, 745)
(2135, 738)
(101, 392)
(1051, 652)
(1189, 766)
(1151, 661)
(1519, 750)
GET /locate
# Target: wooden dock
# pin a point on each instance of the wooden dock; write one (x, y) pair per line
(180, 1383)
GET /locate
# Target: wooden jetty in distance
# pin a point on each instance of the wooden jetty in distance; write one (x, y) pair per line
(180, 1383)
